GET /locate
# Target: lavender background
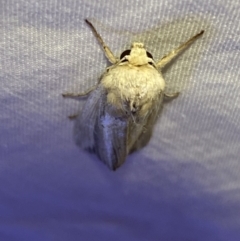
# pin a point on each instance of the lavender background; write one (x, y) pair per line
(183, 186)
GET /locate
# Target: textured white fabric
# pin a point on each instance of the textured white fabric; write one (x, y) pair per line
(183, 186)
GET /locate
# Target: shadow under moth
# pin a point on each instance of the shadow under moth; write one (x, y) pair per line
(121, 110)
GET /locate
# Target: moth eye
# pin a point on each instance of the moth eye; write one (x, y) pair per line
(124, 53)
(149, 55)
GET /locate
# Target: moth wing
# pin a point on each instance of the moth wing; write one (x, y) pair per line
(116, 134)
(86, 121)
(109, 132)
(100, 128)
(110, 136)
(141, 139)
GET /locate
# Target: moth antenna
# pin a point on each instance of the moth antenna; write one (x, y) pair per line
(167, 58)
(108, 53)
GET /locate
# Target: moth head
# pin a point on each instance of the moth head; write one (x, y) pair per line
(137, 55)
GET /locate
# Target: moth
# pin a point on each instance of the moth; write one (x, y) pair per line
(121, 110)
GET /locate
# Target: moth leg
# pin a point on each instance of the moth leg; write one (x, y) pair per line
(87, 92)
(168, 96)
(108, 53)
(167, 58)
(72, 117)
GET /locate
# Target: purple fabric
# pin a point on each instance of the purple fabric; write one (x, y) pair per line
(183, 186)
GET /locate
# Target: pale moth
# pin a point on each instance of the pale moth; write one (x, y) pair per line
(121, 110)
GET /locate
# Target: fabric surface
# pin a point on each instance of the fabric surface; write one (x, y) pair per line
(184, 185)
